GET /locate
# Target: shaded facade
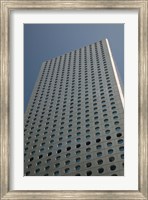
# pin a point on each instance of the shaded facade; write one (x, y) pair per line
(74, 122)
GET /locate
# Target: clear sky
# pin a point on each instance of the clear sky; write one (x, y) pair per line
(45, 41)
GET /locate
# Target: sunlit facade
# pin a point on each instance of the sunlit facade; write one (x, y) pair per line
(74, 123)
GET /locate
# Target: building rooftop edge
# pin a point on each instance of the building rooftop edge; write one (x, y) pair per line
(74, 50)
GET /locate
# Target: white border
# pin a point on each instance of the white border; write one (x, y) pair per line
(130, 180)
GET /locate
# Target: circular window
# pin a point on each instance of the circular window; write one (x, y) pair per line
(59, 151)
(111, 159)
(98, 147)
(78, 146)
(67, 155)
(88, 165)
(89, 173)
(121, 148)
(108, 137)
(117, 129)
(78, 152)
(88, 143)
(77, 175)
(67, 162)
(88, 157)
(98, 140)
(119, 134)
(78, 167)
(110, 151)
(56, 173)
(78, 159)
(67, 170)
(107, 131)
(109, 144)
(100, 170)
(112, 167)
(120, 141)
(68, 148)
(122, 156)
(88, 149)
(57, 165)
(99, 154)
(100, 162)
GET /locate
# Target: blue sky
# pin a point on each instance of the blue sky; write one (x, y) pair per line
(45, 41)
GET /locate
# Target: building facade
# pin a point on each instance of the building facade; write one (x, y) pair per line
(74, 122)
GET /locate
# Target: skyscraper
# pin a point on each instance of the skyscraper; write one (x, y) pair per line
(74, 122)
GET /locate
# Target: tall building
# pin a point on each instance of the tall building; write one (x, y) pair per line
(74, 122)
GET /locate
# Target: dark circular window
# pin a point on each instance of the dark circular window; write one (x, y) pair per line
(112, 167)
(99, 154)
(119, 134)
(100, 170)
(108, 137)
(88, 157)
(67, 170)
(110, 151)
(120, 141)
(111, 159)
(98, 147)
(89, 173)
(98, 140)
(68, 148)
(88, 164)
(88, 143)
(100, 162)
(121, 148)
(109, 144)
(122, 156)
(78, 167)
(78, 159)
(67, 162)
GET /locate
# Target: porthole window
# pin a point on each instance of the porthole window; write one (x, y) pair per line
(78, 146)
(118, 129)
(88, 149)
(122, 156)
(109, 144)
(78, 167)
(77, 175)
(58, 157)
(88, 164)
(111, 159)
(100, 170)
(98, 140)
(59, 151)
(78, 159)
(56, 173)
(57, 165)
(112, 167)
(120, 141)
(99, 154)
(121, 148)
(110, 151)
(78, 152)
(108, 137)
(67, 162)
(67, 170)
(107, 131)
(100, 162)
(88, 143)
(119, 134)
(89, 173)
(67, 155)
(98, 147)
(88, 157)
